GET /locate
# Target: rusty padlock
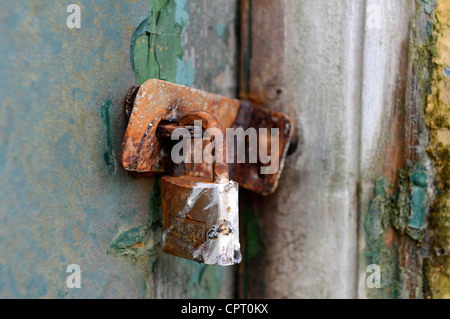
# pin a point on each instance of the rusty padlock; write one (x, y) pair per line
(201, 216)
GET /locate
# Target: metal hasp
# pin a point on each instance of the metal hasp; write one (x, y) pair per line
(156, 102)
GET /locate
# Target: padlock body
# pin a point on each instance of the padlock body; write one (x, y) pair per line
(201, 220)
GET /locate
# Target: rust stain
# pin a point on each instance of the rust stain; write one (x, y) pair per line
(138, 245)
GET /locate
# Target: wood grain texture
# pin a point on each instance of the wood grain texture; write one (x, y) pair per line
(301, 241)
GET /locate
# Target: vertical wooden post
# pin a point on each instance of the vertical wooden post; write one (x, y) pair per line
(304, 58)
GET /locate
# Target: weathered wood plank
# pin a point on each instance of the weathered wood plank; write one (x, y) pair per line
(301, 242)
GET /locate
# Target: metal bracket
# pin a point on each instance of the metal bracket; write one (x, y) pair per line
(156, 102)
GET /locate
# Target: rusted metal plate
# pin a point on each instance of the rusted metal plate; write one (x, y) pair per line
(146, 151)
(249, 175)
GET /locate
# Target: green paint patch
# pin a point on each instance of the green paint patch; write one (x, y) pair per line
(401, 211)
(419, 181)
(181, 14)
(185, 72)
(377, 251)
(428, 6)
(156, 43)
(134, 244)
(220, 29)
(140, 242)
(405, 208)
(108, 155)
(139, 53)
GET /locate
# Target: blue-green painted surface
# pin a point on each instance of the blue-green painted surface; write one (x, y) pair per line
(419, 181)
(64, 197)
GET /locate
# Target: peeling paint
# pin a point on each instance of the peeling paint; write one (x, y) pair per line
(379, 251)
(437, 265)
(156, 43)
(220, 28)
(404, 240)
(419, 180)
(396, 211)
(185, 72)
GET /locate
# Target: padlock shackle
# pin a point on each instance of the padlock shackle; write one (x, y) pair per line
(220, 170)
